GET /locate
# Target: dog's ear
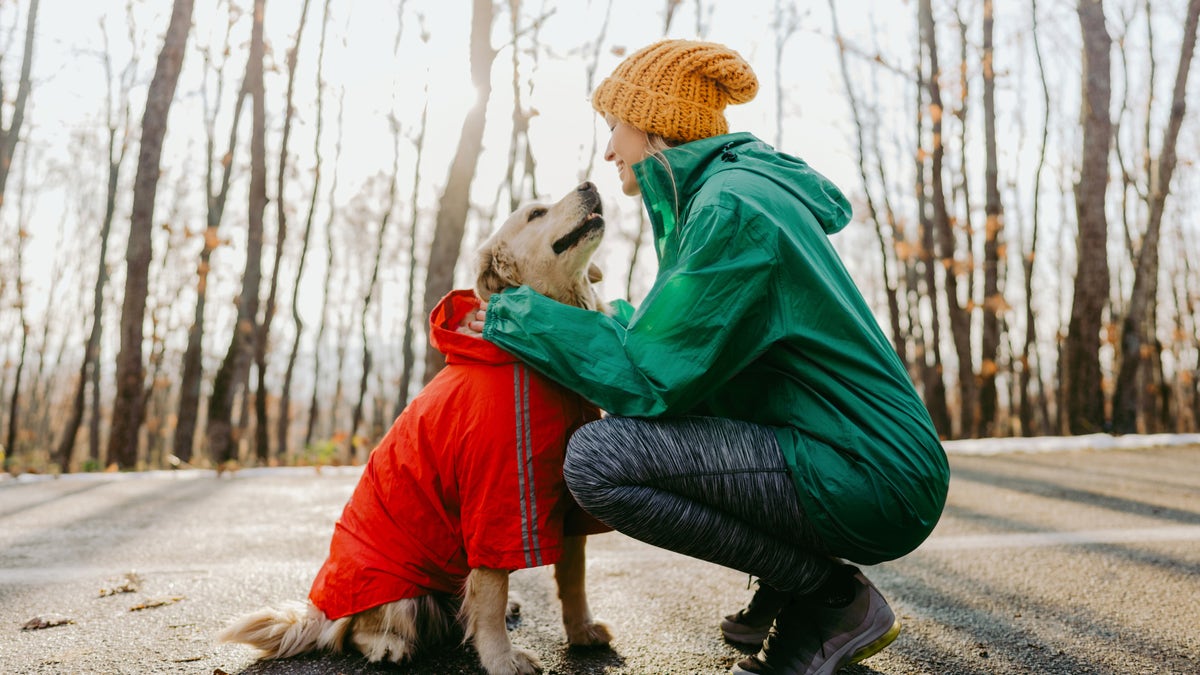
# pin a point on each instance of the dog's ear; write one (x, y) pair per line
(496, 270)
(595, 274)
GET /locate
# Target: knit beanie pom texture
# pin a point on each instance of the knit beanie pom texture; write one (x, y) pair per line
(677, 89)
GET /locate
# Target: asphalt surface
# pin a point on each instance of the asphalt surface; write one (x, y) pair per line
(1057, 563)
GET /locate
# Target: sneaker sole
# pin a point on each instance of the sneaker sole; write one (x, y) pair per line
(743, 634)
(877, 645)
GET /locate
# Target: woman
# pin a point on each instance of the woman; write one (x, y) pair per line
(758, 416)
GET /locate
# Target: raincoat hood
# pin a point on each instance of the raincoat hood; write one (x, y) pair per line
(460, 347)
(690, 165)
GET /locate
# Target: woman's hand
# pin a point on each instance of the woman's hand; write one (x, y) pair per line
(472, 323)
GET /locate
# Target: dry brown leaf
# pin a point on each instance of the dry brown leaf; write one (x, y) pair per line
(156, 602)
(130, 583)
(40, 622)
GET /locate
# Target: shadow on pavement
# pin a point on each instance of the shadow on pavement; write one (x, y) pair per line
(451, 661)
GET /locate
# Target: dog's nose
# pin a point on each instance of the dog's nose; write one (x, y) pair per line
(586, 186)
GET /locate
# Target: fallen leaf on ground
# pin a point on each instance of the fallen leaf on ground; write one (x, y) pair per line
(156, 602)
(40, 622)
(130, 583)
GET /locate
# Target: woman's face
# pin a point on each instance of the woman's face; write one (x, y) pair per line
(627, 146)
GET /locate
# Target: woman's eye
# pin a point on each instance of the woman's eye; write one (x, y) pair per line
(534, 214)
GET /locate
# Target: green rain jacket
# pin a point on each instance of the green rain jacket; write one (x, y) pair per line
(753, 317)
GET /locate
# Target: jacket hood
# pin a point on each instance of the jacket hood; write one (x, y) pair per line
(459, 347)
(691, 164)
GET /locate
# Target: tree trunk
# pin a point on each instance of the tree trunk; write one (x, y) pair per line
(960, 320)
(262, 436)
(1029, 346)
(193, 356)
(128, 405)
(283, 422)
(369, 294)
(235, 366)
(1137, 328)
(893, 301)
(1085, 395)
(590, 83)
(993, 260)
(10, 136)
(456, 198)
(932, 371)
(314, 407)
(91, 350)
(406, 349)
(14, 404)
(8, 145)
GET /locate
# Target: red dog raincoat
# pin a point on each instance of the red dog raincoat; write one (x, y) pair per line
(470, 475)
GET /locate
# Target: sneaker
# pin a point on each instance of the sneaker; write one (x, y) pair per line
(817, 640)
(751, 624)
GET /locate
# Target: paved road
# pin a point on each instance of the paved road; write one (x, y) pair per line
(1058, 563)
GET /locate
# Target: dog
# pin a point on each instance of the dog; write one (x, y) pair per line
(425, 545)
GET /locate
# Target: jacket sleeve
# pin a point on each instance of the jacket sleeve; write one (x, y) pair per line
(704, 319)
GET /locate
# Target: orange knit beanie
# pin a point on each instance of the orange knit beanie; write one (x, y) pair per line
(677, 89)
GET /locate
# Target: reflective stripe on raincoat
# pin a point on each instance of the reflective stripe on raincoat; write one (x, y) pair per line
(470, 475)
(753, 316)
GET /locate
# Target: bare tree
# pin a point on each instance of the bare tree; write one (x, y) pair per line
(1187, 379)
(1137, 328)
(11, 134)
(1085, 396)
(993, 260)
(235, 367)
(456, 197)
(128, 405)
(407, 353)
(262, 437)
(372, 283)
(785, 25)
(117, 116)
(960, 320)
(314, 407)
(887, 253)
(932, 373)
(590, 83)
(14, 403)
(1029, 345)
(193, 356)
(285, 395)
(669, 14)
(523, 184)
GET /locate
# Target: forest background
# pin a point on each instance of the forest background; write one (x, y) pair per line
(224, 222)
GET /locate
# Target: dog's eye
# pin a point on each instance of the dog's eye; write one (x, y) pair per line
(534, 214)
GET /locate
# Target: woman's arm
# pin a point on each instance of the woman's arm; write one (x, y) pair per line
(702, 322)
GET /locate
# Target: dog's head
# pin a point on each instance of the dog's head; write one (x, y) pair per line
(548, 247)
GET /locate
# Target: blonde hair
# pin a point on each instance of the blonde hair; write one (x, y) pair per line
(656, 144)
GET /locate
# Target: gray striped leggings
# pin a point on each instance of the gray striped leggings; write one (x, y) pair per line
(708, 487)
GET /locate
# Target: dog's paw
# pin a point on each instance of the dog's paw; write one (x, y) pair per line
(516, 662)
(590, 634)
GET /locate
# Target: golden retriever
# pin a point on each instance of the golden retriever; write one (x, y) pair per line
(548, 247)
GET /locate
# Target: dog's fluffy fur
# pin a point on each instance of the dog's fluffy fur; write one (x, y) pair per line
(549, 247)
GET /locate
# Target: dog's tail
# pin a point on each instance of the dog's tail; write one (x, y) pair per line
(292, 629)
